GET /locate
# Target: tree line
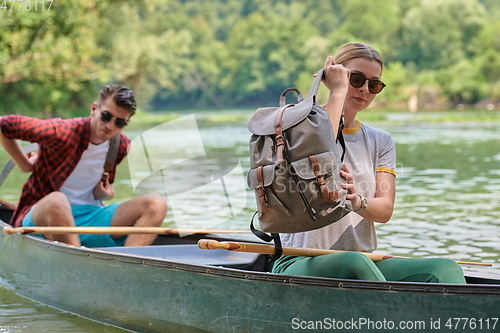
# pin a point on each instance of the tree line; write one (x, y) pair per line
(236, 53)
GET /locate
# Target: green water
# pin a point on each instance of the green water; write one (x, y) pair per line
(447, 205)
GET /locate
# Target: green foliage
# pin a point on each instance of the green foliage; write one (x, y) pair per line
(221, 53)
(268, 52)
(486, 45)
(400, 83)
(437, 34)
(47, 58)
(376, 22)
(471, 87)
(149, 50)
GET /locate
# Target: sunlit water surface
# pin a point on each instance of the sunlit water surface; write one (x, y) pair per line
(447, 205)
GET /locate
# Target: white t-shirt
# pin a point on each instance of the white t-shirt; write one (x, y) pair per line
(368, 151)
(86, 175)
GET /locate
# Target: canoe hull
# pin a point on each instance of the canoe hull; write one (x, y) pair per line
(155, 295)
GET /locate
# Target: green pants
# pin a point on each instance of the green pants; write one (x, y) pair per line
(354, 265)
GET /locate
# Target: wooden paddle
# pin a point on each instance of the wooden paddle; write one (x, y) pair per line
(116, 230)
(210, 244)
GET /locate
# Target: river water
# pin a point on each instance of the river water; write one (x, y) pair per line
(447, 204)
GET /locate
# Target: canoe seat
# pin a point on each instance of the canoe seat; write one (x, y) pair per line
(192, 254)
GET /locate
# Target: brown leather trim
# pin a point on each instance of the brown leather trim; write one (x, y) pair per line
(261, 191)
(280, 142)
(320, 178)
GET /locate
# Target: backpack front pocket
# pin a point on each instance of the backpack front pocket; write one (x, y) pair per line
(270, 184)
(315, 174)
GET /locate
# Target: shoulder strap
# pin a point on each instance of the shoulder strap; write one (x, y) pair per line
(278, 248)
(112, 152)
(10, 164)
(317, 81)
(340, 137)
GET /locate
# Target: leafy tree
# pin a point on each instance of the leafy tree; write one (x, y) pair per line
(437, 33)
(401, 84)
(376, 22)
(324, 15)
(492, 8)
(268, 53)
(486, 46)
(219, 53)
(220, 16)
(147, 51)
(200, 83)
(472, 85)
(46, 58)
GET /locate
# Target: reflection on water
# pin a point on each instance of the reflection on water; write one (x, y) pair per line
(21, 315)
(447, 205)
(448, 194)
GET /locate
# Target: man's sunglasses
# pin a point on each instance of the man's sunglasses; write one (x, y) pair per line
(357, 80)
(107, 117)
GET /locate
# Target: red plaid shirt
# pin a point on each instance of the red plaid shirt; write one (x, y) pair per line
(61, 145)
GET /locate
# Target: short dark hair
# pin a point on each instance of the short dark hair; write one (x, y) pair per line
(122, 96)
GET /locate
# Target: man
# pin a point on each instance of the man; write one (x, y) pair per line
(68, 183)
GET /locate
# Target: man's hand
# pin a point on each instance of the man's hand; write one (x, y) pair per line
(32, 157)
(104, 190)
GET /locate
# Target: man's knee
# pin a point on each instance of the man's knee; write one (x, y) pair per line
(53, 210)
(155, 204)
(55, 201)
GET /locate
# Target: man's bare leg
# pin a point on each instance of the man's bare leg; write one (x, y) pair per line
(148, 210)
(54, 210)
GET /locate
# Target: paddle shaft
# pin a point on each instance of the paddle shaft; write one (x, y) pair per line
(115, 230)
(211, 244)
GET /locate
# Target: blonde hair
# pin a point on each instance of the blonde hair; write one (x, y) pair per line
(358, 50)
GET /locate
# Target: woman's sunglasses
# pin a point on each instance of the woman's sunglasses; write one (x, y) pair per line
(119, 122)
(357, 80)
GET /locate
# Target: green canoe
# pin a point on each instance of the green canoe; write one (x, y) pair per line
(181, 288)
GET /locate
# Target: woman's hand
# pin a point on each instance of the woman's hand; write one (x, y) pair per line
(351, 189)
(379, 208)
(335, 77)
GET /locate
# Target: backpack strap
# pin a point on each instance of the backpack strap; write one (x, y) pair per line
(280, 140)
(278, 248)
(340, 137)
(114, 144)
(260, 190)
(315, 87)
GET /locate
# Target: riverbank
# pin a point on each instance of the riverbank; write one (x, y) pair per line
(151, 119)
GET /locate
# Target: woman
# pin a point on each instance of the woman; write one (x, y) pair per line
(353, 78)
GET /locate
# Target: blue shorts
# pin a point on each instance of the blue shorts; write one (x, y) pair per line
(89, 216)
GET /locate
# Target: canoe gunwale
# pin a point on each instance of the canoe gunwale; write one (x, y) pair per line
(435, 288)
